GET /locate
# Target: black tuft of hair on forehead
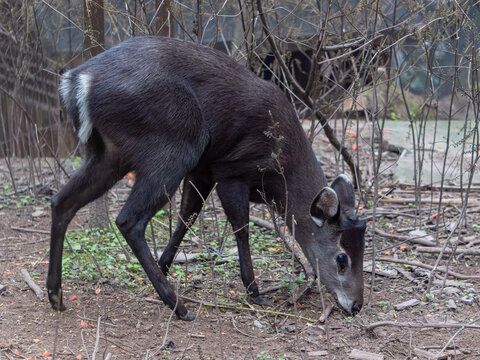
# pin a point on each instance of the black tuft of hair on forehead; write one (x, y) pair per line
(352, 224)
(353, 238)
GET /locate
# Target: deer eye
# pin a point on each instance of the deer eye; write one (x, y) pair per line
(342, 262)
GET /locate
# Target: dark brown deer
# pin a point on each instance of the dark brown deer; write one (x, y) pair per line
(172, 110)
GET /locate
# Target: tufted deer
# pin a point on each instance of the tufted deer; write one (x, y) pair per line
(172, 110)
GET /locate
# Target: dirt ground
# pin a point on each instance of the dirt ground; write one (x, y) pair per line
(104, 318)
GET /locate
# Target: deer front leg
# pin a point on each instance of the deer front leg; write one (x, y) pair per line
(235, 201)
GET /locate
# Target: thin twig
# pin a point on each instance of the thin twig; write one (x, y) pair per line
(420, 325)
(234, 307)
(428, 267)
(35, 288)
(97, 338)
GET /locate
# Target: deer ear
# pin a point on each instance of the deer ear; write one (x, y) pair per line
(343, 186)
(325, 206)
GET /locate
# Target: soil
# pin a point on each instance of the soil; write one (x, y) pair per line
(107, 319)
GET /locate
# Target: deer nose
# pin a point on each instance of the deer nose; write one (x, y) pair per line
(356, 307)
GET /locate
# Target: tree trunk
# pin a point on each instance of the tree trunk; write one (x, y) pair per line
(93, 45)
(164, 20)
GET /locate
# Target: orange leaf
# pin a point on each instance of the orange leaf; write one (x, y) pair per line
(386, 131)
(130, 175)
(388, 138)
(16, 351)
(391, 231)
(354, 146)
(73, 298)
(98, 291)
(36, 341)
(124, 352)
(78, 357)
(360, 207)
(83, 324)
(347, 131)
(404, 247)
(46, 353)
(174, 274)
(387, 253)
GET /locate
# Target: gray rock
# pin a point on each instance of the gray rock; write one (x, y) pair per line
(257, 324)
(390, 273)
(469, 300)
(363, 355)
(449, 290)
(452, 305)
(422, 236)
(406, 304)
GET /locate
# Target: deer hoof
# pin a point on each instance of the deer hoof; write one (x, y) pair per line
(188, 316)
(56, 300)
(259, 300)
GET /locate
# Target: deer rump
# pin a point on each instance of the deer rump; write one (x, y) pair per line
(172, 110)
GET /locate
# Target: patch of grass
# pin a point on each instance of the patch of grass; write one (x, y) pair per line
(265, 356)
(97, 255)
(383, 304)
(26, 200)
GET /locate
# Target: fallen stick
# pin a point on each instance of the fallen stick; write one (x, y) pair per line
(416, 240)
(426, 201)
(35, 288)
(234, 307)
(420, 325)
(456, 251)
(38, 231)
(326, 313)
(428, 267)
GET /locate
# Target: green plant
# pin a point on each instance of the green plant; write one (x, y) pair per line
(394, 116)
(384, 304)
(26, 200)
(74, 162)
(265, 356)
(97, 255)
(286, 281)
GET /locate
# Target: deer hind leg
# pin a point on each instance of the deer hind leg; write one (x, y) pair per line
(150, 193)
(195, 192)
(235, 201)
(98, 174)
